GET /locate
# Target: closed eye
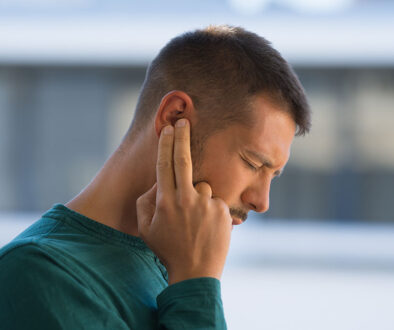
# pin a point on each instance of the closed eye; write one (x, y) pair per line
(250, 165)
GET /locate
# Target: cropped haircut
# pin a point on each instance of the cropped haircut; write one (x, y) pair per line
(222, 68)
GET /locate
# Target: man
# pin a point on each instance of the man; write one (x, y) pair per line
(143, 246)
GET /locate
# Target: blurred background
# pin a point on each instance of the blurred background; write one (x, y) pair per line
(323, 256)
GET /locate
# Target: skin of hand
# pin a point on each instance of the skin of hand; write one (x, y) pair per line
(183, 225)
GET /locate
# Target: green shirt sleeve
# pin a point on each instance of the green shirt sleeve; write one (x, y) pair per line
(191, 304)
(38, 292)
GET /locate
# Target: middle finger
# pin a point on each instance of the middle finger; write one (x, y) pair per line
(182, 156)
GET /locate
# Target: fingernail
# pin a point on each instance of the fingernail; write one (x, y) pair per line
(181, 123)
(168, 130)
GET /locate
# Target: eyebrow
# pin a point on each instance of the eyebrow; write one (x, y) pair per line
(265, 161)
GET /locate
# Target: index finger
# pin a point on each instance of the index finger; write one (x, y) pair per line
(164, 165)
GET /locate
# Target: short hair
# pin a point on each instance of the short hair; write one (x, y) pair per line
(222, 68)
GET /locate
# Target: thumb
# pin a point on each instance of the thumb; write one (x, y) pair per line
(146, 205)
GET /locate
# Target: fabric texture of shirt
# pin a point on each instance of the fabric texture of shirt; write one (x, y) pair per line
(67, 271)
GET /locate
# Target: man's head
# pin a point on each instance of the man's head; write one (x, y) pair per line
(232, 86)
(221, 68)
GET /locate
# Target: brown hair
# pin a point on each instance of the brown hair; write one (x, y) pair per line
(222, 68)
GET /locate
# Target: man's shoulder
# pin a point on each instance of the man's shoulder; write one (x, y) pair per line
(39, 290)
(36, 251)
(31, 242)
(33, 266)
(23, 256)
(24, 243)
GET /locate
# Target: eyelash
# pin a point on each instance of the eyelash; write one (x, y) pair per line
(255, 169)
(252, 167)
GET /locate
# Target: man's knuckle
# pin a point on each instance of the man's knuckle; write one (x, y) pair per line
(182, 161)
(164, 164)
(222, 207)
(184, 200)
(161, 200)
(161, 208)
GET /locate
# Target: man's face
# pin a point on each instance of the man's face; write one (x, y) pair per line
(240, 162)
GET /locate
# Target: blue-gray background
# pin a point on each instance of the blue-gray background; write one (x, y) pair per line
(70, 72)
(323, 256)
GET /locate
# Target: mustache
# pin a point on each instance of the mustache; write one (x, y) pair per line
(238, 213)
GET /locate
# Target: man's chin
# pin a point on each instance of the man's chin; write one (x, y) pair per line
(238, 215)
(236, 221)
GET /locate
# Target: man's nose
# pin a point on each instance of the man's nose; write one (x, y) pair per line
(257, 196)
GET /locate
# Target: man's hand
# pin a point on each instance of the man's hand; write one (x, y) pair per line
(183, 225)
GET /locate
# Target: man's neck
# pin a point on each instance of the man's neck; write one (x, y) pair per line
(111, 196)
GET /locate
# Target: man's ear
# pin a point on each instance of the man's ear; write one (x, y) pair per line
(173, 106)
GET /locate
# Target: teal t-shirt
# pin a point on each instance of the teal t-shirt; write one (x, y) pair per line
(67, 271)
